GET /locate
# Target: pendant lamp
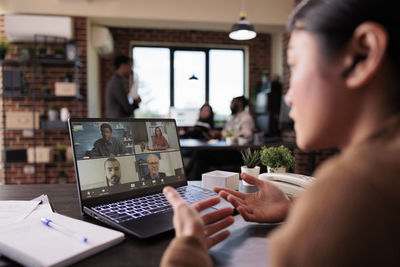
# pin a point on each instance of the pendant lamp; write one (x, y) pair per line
(243, 29)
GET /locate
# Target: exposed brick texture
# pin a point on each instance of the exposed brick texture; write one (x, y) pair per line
(45, 75)
(306, 162)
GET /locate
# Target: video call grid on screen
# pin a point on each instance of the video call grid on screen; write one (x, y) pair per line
(117, 160)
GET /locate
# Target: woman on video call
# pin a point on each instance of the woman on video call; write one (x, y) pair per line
(344, 92)
(159, 141)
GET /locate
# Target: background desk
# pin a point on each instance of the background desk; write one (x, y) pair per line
(136, 252)
(195, 144)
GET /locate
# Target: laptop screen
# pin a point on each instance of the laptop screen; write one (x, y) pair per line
(114, 156)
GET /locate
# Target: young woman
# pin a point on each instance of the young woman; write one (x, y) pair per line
(344, 91)
(159, 141)
(204, 128)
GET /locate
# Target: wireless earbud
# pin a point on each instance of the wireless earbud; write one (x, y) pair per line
(357, 59)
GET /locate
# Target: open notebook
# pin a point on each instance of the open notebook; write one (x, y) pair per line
(31, 243)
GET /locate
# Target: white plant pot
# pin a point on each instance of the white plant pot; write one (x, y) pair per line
(52, 114)
(252, 171)
(276, 170)
(229, 141)
(64, 114)
(242, 141)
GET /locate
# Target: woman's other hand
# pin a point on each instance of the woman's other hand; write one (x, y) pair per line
(269, 204)
(187, 221)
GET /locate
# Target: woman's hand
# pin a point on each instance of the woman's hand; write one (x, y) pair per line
(269, 204)
(187, 221)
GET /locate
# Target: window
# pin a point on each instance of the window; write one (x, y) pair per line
(151, 64)
(187, 78)
(226, 80)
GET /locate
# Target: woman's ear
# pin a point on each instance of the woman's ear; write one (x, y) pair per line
(365, 54)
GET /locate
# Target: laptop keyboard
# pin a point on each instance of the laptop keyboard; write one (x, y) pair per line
(134, 208)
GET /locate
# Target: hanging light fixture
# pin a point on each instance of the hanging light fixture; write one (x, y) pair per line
(193, 77)
(243, 29)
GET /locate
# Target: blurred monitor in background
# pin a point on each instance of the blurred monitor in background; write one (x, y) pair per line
(185, 117)
(285, 122)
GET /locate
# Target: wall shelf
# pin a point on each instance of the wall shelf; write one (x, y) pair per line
(43, 61)
(44, 96)
(54, 125)
(36, 102)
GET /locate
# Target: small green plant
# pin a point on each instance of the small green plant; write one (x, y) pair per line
(56, 108)
(275, 157)
(61, 149)
(42, 50)
(4, 44)
(229, 133)
(250, 159)
(59, 51)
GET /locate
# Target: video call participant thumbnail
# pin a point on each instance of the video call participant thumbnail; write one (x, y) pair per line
(107, 146)
(113, 171)
(159, 141)
(153, 164)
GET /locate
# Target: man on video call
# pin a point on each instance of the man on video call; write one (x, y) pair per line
(153, 163)
(113, 171)
(107, 146)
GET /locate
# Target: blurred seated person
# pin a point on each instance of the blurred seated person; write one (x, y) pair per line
(107, 146)
(204, 127)
(241, 123)
(159, 141)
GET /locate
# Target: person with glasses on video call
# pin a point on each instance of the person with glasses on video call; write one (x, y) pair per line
(153, 164)
(344, 59)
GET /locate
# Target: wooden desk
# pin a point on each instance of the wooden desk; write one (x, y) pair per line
(136, 252)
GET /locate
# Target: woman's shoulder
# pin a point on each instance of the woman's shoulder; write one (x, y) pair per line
(374, 165)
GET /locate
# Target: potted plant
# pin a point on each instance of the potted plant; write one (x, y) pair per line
(61, 150)
(242, 140)
(53, 113)
(42, 50)
(59, 52)
(277, 159)
(4, 44)
(229, 137)
(251, 160)
(142, 146)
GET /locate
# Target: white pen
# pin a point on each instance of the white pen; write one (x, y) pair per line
(63, 230)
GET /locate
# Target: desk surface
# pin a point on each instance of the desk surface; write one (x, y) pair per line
(136, 252)
(194, 144)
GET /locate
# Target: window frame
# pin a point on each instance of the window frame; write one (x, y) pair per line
(194, 47)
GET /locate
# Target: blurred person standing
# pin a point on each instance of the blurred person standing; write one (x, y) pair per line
(117, 104)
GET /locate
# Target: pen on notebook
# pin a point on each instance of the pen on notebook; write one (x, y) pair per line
(63, 230)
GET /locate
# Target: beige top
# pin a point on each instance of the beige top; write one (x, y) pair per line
(349, 217)
(241, 124)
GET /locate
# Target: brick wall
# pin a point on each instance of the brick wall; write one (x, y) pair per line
(55, 172)
(306, 162)
(259, 48)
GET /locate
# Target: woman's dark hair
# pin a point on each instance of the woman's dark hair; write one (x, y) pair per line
(242, 100)
(334, 21)
(210, 118)
(155, 132)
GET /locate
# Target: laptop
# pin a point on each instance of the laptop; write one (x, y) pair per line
(121, 167)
